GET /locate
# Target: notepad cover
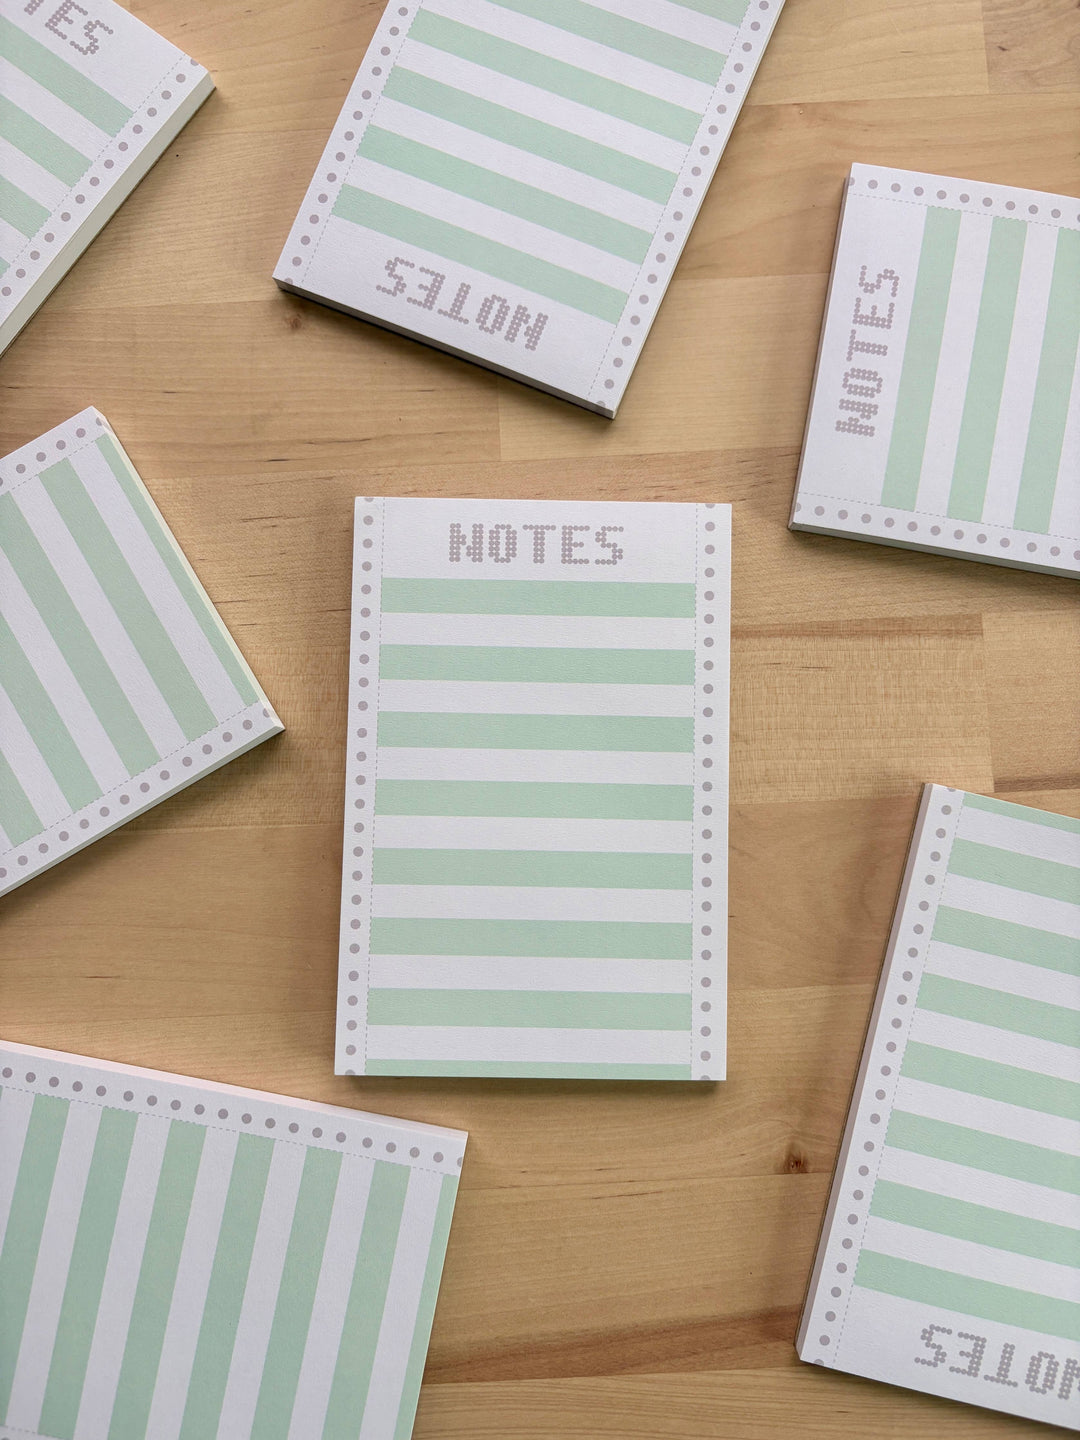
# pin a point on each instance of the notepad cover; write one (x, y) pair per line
(119, 684)
(950, 1256)
(514, 180)
(536, 791)
(181, 1259)
(945, 413)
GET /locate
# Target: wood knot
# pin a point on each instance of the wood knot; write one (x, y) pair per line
(796, 1162)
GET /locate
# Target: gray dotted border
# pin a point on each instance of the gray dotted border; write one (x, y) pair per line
(62, 442)
(1036, 207)
(710, 828)
(909, 943)
(365, 636)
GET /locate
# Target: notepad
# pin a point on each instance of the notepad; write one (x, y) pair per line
(950, 1256)
(119, 684)
(536, 791)
(514, 180)
(945, 413)
(89, 98)
(181, 1259)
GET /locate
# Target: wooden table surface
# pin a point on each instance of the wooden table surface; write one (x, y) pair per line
(626, 1260)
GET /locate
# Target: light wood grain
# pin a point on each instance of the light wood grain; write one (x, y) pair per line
(627, 1262)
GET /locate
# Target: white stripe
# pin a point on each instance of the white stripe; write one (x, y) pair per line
(394, 1344)
(515, 972)
(527, 698)
(15, 1108)
(675, 20)
(987, 1042)
(992, 1117)
(961, 1182)
(1065, 514)
(520, 165)
(1024, 837)
(331, 1298)
(31, 771)
(507, 902)
(1000, 902)
(537, 104)
(122, 1276)
(604, 632)
(1021, 373)
(572, 767)
(1012, 977)
(492, 224)
(494, 832)
(152, 573)
(192, 1282)
(105, 626)
(31, 178)
(589, 55)
(44, 107)
(261, 1293)
(954, 364)
(965, 1257)
(520, 1043)
(12, 242)
(60, 684)
(53, 1263)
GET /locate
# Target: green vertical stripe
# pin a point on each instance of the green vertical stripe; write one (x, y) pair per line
(26, 1220)
(537, 800)
(208, 620)
(526, 1070)
(602, 162)
(653, 599)
(911, 1281)
(440, 730)
(73, 639)
(592, 869)
(39, 143)
(1007, 939)
(62, 79)
(425, 1311)
(501, 262)
(1022, 812)
(918, 374)
(41, 717)
(529, 1009)
(20, 210)
(296, 1295)
(996, 1007)
(570, 939)
(18, 818)
(157, 1280)
(501, 193)
(1053, 387)
(367, 1300)
(963, 1220)
(986, 377)
(128, 599)
(570, 82)
(86, 1273)
(225, 1293)
(1019, 872)
(975, 1148)
(731, 11)
(993, 1081)
(539, 664)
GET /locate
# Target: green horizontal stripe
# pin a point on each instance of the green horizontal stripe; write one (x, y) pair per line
(573, 868)
(566, 939)
(62, 79)
(992, 1080)
(978, 1223)
(501, 262)
(910, 1281)
(1022, 812)
(536, 732)
(583, 87)
(730, 11)
(533, 1009)
(540, 664)
(996, 1007)
(19, 210)
(602, 162)
(501, 193)
(526, 1070)
(975, 1148)
(553, 800)
(659, 47)
(539, 597)
(18, 818)
(39, 143)
(1019, 872)
(1007, 939)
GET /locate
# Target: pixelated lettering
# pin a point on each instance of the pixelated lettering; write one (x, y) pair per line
(864, 347)
(1042, 1372)
(862, 382)
(873, 316)
(1001, 1374)
(569, 545)
(539, 541)
(492, 315)
(532, 327)
(882, 276)
(430, 291)
(502, 543)
(940, 1353)
(973, 1356)
(457, 304)
(606, 544)
(400, 282)
(459, 545)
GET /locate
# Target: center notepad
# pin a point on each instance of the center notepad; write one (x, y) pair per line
(536, 797)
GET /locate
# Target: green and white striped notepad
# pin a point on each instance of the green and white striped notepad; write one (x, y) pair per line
(89, 99)
(181, 1260)
(119, 684)
(946, 407)
(536, 794)
(950, 1256)
(514, 180)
